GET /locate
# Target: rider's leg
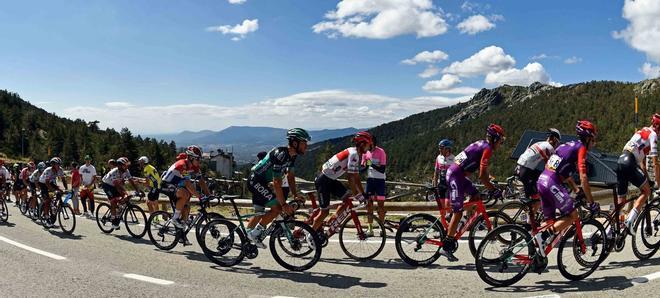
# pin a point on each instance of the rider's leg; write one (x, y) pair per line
(637, 207)
(182, 199)
(270, 215)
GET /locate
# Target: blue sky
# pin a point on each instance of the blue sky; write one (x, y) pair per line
(166, 66)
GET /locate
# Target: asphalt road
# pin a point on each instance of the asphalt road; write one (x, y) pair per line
(46, 263)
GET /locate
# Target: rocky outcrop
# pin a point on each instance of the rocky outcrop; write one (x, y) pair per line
(647, 87)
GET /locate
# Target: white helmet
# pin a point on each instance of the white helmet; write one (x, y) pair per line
(144, 159)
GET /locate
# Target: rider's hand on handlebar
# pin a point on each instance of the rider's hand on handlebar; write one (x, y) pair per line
(287, 209)
(361, 198)
(594, 207)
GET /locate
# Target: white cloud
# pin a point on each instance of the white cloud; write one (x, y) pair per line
(533, 72)
(237, 1)
(650, 71)
(643, 32)
(238, 31)
(445, 83)
(430, 71)
(118, 104)
(487, 60)
(383, 19)
(427, 57)
(475, 24)
(468, 6)
(539, 57)
(573, 60)
(337, 108)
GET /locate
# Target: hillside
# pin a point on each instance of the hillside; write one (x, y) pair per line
(45, 134)
(411, 142)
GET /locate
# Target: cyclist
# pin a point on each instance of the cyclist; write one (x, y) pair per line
(88, 175)
(4, 176)
(152, 182)
(23, 180)
(177, 184)
(17, 187)
(474, 157)
(631, 167)
(346, 161)
(48, 183)
(113, 186)
(559, 170)
(376, 161)
(34, 180)
(527, 168)
(270, 169)
(442, 162)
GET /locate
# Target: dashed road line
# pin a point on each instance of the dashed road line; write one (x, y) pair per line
(32, 249)
(148, 279)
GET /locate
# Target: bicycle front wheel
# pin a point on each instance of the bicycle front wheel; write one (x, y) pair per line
(418, 239)
(135, 221)
(505, 255)
(162, 232)
(294, 245)
(223, 242)
(647, 238)
(581, 252)
(356, 241)
(200, 224)
(4, 211)
(23, 206)
(479, 228)
(104, 218)
(67, 219)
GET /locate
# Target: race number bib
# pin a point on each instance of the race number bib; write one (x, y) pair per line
(460, 158)
(553, 162)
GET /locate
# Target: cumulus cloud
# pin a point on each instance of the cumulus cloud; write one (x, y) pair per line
(445, 83)
(468, 6)
(336, 108)
(427, 57)
(643, 31)
(533, 72)
(429, 72)
(383, 19)
(237, 1)
(475, 24)
(650, 71)
(573, 60)
(118, 104)
(238, 31)
(487, 60)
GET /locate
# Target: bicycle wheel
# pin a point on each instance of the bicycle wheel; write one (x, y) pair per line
(161, 230)
(33, 213)
(104, 218)
(479, 228)
(67, 219)
(223, 242)
(356, 243)
(418, 239)
(580, 255)
(135, 221)
(23, 206)
(4, 211)
(293, 237)
(503, 263)
(200, 224)
(647, 238)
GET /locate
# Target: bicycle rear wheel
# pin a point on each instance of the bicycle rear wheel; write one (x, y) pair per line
(23, 206)
(162, 232)
(104, 218)
(355, 243)
(479, 229)
(4, 211)
(67, 219)
(293, 238)
(223, 242)
(135, 221)
(646, 240)
(417, 240)
(505, 255)
(580, 255)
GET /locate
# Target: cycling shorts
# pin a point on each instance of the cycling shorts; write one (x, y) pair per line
(459, 186)
(110, 191)
(529, 177)
(554, 196)
(262, 195)
(19, 185)
(628, 171)
(326, 187)
(376, 188)
(45, 193)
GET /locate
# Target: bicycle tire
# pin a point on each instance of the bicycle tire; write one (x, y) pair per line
(648, 247)
(292, 232)
(495, 236)
(4, 213)
(362, 240)
(410, 225)
(162, 234)
(67, 219)
(219, 238)
(23, 206)
(103, 218)
(200, 224)
(588, 266)
(135, 221)
(497, 218)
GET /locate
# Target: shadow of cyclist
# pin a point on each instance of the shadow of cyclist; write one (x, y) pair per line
(587, 285)
(381, 264)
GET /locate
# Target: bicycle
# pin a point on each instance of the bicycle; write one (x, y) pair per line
(32, 212)
(4, 210)
(420, 236)
(60, 210)
(510, 192)
(164, 235)
(132, 215)
(509, 250)
(351, 226)
(226, 244)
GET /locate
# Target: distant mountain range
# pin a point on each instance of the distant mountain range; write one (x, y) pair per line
(246, 141)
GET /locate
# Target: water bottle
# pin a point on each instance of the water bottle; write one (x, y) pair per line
(462, 222)
(68, 198)
(523, 217)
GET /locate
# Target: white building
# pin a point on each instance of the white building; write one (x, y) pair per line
(221, 162)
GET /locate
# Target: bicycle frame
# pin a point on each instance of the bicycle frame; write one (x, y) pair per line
(526, 260)
(480, 211)
(268, 230)
(345, 209)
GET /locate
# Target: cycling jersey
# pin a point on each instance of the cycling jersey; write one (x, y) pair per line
(116, 177)
(347, 160)
(50, 175)
(180, 171)
(34, 177)
(474, 157)
(150, 173)
(273, 164)
(4, 173)
(568, 158)
(537, 153)
(376, 159)
(643, 143)
(25, 174)
(442, 163)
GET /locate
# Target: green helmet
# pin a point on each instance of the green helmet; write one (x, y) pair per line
(298, 134)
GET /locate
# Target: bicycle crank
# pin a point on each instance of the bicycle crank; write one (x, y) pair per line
(251, 251)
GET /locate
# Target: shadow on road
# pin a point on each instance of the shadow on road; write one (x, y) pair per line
(7, 224)
(384, 264)
(559, 287)
(130, 238)
(328, 280)
(629, 264)
(63, 235)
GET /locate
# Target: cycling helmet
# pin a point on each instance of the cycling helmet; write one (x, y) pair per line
(298, 134)
(56, 160)
(41, 166)
(261, 155)
(584, 128)
(495, 131)
(31, 165)
(123, 161)
(112, 161)
(446, 143)
(194, 151)
(553, 132)
(363, 137)
(15, 166)
(144, 159)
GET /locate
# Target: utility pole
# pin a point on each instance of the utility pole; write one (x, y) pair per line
(22, 142)
(636, 112)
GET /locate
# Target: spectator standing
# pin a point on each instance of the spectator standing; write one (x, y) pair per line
(75, 186)
(88, 175)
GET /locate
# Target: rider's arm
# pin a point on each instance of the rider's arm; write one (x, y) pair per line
(582, 169)
(190, 187)
(204, 186)
(291, 178)
(656, 169)
(484, 176)
(355, 183)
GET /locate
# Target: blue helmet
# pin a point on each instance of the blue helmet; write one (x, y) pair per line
(446, 143)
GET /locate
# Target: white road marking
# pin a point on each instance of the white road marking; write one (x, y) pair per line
(32, 249)
(645, 279)
(545, 296)
(148, 279)
(388, 241)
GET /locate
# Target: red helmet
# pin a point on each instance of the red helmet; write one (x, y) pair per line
(194, 151)
(363, 137)
(584, 128)
(495, 131)
(181, 156)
